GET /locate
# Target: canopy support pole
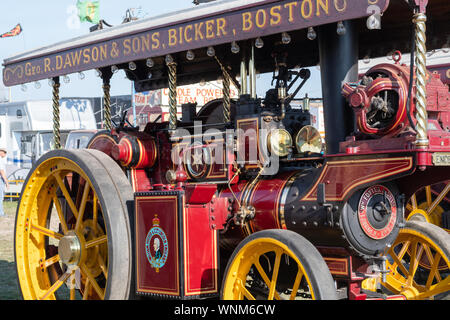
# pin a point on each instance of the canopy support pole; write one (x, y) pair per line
(226, 82)
(226, 96)
(421, 81)
(172, 66)
(56, 114)
(106, 76)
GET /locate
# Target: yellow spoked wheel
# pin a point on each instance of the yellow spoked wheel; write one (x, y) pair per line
(72, 232)
(430, 204)
(277, 264)
(419, 262)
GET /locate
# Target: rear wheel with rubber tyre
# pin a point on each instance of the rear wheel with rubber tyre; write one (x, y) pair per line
(72, 232)
(419, 262)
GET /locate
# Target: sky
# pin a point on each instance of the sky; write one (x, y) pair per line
(46, 22)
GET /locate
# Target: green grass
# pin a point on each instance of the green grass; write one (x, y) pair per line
(8, 279)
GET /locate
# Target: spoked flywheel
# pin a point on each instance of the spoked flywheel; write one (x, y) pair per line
(419, 262)
(277, 264)
(72, 232)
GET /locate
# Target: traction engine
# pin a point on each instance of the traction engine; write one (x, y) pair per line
(241, 199)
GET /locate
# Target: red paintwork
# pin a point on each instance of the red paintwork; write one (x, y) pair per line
(264, 196)
(200, 193)
(360, 97)
(192, 221)
(166, 280)
(142, 149)
(341, 176)
(399, 136)
(139, 180)
(200, 252)
(191, 268)
(103, 142)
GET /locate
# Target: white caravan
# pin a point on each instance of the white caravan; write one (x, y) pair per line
(26, 129)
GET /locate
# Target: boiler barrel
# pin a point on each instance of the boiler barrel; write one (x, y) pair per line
(366, 221)
(277, 205)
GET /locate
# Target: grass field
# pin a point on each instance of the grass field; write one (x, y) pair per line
(8, 280)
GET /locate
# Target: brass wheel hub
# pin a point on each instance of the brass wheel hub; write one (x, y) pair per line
(69, 249)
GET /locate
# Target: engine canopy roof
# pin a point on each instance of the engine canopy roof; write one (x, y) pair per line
(218, 24)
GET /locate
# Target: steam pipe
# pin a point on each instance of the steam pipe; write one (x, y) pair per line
(244, 87)
(252, 71)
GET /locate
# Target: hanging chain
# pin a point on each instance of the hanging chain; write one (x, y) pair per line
(421, 74)
(56, 115)
(172, 95)
(107, 105)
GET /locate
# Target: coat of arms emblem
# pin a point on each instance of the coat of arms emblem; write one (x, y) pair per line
(156, 245)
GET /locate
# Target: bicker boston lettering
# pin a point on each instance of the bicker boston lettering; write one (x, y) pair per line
(242, 24)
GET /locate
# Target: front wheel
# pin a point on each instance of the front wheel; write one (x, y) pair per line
(277, 264)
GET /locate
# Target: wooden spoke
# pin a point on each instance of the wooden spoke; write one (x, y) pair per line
(100, 291)
(244, 290)
(82, 206)
(47, 263)
(434, 269)
(416, 254)
(62, 220)
(276, 269)
(72, 286)
(66, 194)
(398, 258)
(265, 277)
(414, 201)
(87, 289)
(95, 211)
(298, 278)
(96, 241)
(438, 199)
(102, 265)
(440, 287)
(58, 283)
(46, 231)
(428, 195)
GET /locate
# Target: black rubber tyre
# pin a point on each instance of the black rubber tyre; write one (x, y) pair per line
(256, 255)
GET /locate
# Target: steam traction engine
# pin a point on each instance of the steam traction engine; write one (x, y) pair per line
(239, 199)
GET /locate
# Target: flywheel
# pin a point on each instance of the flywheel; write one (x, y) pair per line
(72, 231)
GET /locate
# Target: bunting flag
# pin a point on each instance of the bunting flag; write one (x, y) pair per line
(14, 32)
(89, 11)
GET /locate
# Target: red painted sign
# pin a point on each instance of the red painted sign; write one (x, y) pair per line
(157, 245)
